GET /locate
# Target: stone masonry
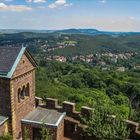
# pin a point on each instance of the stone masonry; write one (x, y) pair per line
(72, 122)
(17, 93)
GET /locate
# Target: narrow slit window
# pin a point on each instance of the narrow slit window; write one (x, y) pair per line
(19, 95)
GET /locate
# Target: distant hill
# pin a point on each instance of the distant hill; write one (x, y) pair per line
(92, 32)
(101, 43)
(87, 41)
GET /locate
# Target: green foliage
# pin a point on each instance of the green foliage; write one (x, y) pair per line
(100, 43)
(104, 126)
(26, 134)
(45, 133)
(136, 115)
(84, 85)
(6, 137)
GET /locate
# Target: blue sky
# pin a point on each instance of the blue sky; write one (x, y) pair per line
(109, 15)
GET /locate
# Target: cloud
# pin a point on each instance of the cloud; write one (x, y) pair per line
(36, 1)
(18, 8)
(59, 3)
(7, 0)
(103, 1)
(132, 18)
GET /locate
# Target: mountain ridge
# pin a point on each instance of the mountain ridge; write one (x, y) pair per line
(88, 31)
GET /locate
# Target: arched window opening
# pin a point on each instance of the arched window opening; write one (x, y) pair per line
(23, 91)
(19, 95)
(27, 90)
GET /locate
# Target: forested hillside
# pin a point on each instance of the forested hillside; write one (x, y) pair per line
(84, 44)
(108, 72)
(86, 85)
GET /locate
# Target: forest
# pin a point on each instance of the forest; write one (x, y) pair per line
(85, 43)
(88, 85)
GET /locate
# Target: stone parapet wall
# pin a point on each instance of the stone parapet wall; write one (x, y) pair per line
(67, 107)
(73, 121)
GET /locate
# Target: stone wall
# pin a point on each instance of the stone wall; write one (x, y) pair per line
(23, 77)
(5, 107)
(57, 133)
(23, 66)
(26, 105)
(4, 128)
(5, 100)
(60, 131)
(72, 122)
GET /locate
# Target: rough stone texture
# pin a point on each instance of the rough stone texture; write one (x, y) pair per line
(86, 112)
(38, 101)
(73, 125)
(5, 100)
(3, 128)
(60, 131)
(23, 75)
(9, 105)
(57, 133)
(68, 107)
(23, 67)
(5, 108)
(27, 131)
(51, 103)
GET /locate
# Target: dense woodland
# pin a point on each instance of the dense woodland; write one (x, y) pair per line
(87, 85)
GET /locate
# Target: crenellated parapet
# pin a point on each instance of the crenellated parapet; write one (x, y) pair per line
(73, 117)
(68, 107)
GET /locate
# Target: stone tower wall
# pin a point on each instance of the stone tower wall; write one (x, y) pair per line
(5, 97)
(10, 105)
(23, 76)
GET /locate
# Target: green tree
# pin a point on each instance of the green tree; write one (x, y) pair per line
(45, 135)
(6, 137)
(26, 134)
(104, 126)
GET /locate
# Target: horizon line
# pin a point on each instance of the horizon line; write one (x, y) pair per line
(68, 29)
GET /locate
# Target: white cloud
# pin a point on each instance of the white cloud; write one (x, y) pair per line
(36, 1)
(19, 8)
(59, 3)
(132, 18)
(7, 0)
(103, 1)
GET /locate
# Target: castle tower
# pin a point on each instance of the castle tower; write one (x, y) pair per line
(17, 86)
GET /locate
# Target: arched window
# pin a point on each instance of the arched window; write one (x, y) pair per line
(23, 91)
(27, 90)
(19, 95)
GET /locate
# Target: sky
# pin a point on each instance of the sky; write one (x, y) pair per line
(106, 15)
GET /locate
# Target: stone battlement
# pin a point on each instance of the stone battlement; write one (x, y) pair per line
(67, 107)
(74, 116)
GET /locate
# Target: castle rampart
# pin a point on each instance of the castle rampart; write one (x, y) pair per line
(72, 121)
